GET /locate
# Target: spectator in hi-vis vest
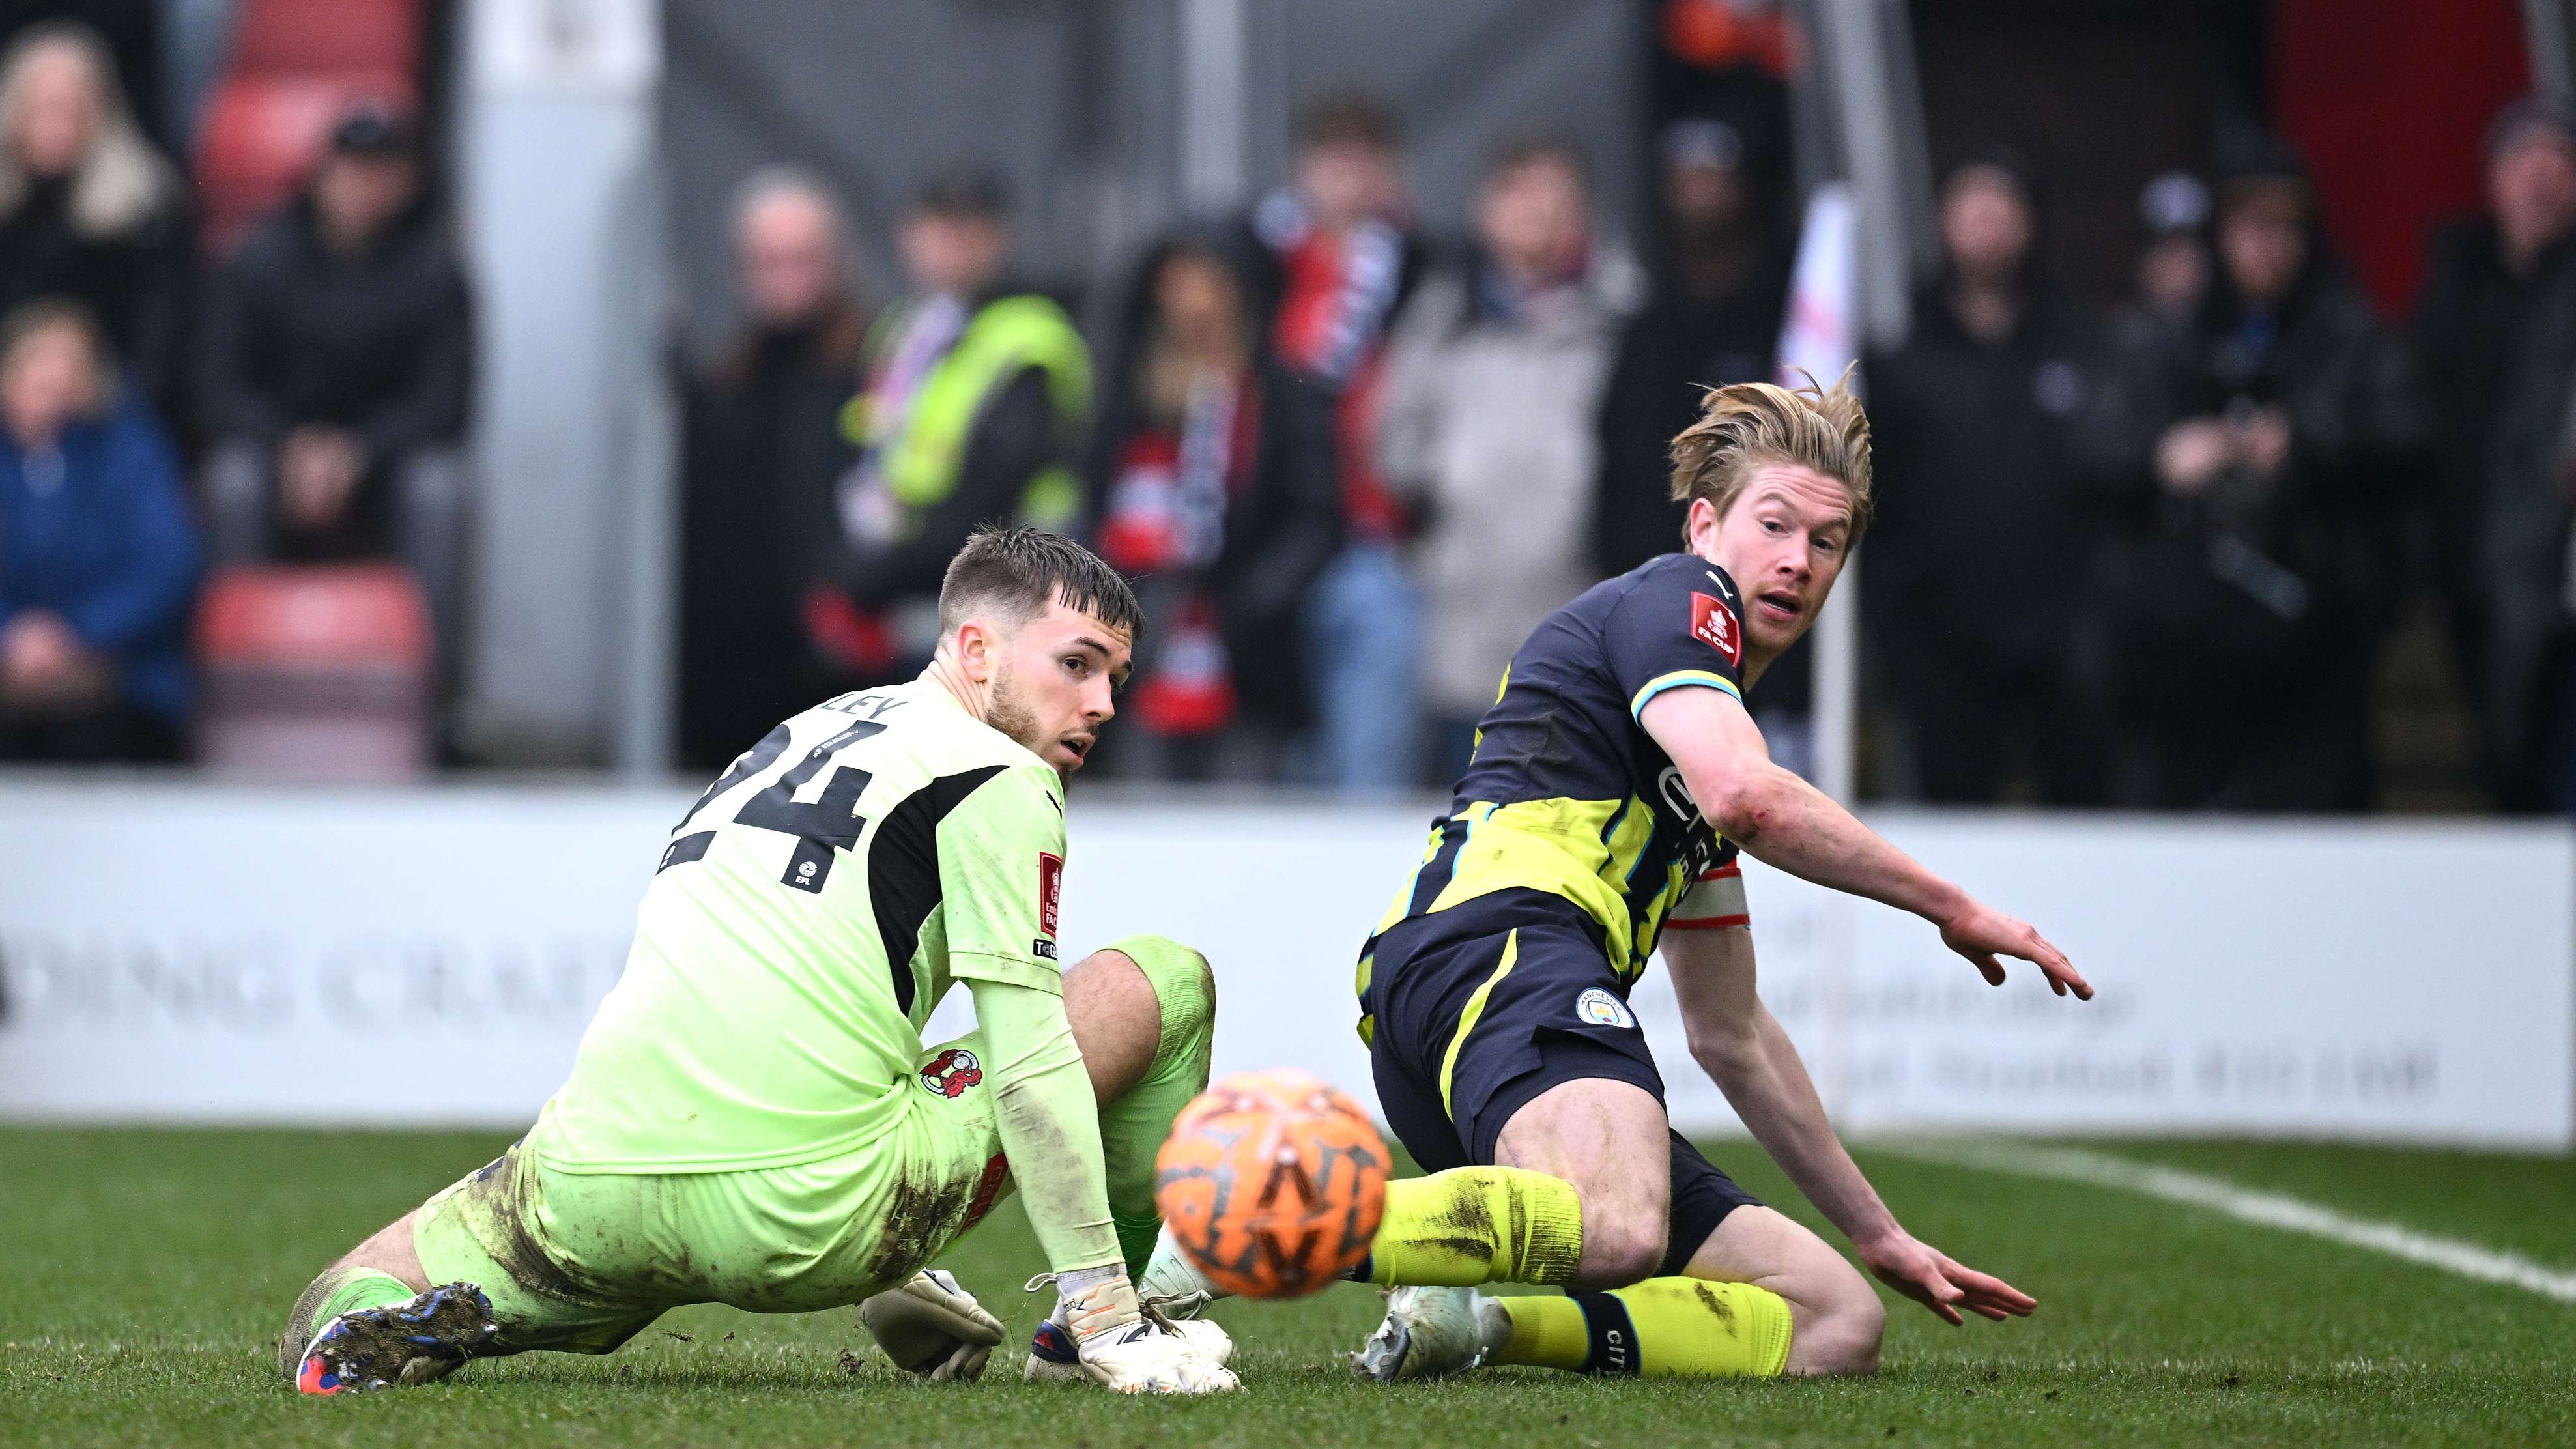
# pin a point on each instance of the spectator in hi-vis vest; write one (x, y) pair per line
(976, 398)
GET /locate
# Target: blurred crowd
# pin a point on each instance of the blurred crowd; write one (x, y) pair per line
(2152, 558)
(1348, 469)
(2148, 559)
(175, 399)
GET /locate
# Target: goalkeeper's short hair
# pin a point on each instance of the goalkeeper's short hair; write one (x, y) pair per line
(1012, 574)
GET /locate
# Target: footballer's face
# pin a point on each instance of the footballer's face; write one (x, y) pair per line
(1053, 684)
(1782, 540)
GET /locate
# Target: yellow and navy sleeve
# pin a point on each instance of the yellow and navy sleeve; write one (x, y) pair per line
(1681, 625)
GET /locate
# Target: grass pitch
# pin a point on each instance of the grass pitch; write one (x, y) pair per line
(144, 1275)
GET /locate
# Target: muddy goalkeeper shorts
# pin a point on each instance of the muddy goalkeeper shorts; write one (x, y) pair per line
(581, 1262)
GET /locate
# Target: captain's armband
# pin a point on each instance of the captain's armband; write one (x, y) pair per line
(1714, 902)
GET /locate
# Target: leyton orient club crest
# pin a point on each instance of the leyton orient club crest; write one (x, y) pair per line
(951, 1072)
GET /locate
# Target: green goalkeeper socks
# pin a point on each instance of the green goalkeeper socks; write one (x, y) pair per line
(1132, 1128)
(338, 1291)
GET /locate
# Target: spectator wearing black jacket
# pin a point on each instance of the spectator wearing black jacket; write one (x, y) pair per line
(2263, 457)
(2173, 254)
(335, 369)
(88, 210)
(762, 447)
(1213, 485)
(1984, 528)
(2483, 325)
(1721, 283)
(2147, 340)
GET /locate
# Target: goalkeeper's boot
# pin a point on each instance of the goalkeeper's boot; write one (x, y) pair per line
(403, 1344)
(1055, 1354)
(1171, 1285)
(1431, 1333)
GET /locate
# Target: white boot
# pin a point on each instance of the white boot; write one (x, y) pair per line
(1431, 1333)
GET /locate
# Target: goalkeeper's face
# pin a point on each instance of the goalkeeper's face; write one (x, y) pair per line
(1055, 684)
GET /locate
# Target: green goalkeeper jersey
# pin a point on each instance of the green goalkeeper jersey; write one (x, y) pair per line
(808, 913)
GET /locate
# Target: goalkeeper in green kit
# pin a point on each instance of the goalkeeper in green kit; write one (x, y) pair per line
(754, 1119)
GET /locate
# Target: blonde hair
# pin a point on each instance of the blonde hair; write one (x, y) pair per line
(122, 181)
(1746, 425)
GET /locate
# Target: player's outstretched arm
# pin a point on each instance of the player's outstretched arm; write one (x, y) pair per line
(1742, 1047)
(1785, 822)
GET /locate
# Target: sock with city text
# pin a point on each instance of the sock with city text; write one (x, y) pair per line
(1661, 1328)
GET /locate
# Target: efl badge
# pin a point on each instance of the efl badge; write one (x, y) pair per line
(1050, 889)
(951, 1072)
(1713, 624)
(1601, 1008)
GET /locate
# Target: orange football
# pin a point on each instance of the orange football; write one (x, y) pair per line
(1272, 1183)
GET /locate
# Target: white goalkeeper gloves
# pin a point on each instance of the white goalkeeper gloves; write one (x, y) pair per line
(1117, 1346)
(932, 1327)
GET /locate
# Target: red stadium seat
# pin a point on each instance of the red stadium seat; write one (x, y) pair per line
(287, 36)
(261, 134)
(315, 673)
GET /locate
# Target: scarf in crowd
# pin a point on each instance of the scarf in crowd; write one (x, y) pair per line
(1341, 290)
(1165, 526)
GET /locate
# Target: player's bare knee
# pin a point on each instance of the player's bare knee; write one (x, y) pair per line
(1843, 1325)
(1620, 1246)
(1835, 1347)
(1864, 1328)
(1103, 959)
(1179, 977)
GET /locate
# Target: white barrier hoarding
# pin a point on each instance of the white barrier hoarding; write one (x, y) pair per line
(204, 953)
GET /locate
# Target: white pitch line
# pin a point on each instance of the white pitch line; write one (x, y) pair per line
(2270, 1209)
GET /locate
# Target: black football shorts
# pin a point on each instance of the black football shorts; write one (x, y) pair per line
(1484, 1005)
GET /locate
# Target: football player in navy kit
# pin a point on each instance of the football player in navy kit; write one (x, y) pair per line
(1614, 780)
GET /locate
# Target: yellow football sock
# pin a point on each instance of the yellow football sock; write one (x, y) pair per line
(1662, 1328)
(1547, 1332)
(1473, 1225)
